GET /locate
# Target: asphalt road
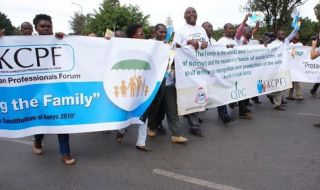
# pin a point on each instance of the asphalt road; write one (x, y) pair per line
(277, 150)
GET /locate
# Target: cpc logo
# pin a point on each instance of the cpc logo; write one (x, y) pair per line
(238, 93)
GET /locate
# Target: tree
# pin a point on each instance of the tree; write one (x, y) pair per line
(277, 12)
(5, 23)
(308, 30)
(78, 23)
(111, 14)
(317, 11)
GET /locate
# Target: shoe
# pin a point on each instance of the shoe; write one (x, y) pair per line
(283, 102)
(300, 99)
(290, 98)
(316, 124)
(180, 139)
(143, 148)
(119, 137)
(67, 159)
(37, 148)
(271, 99)
(196, 132)
(247, 116)
(279, 108)
(151, 133)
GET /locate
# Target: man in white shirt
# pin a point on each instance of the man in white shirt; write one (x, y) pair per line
(276, 97)
(196, 37)
(228, 41)
(166, 98)
(209, 30)
(296, 85)
(26, 29)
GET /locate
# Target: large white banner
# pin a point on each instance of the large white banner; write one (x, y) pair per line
(78, 84)
(218, 76)
(302, 68)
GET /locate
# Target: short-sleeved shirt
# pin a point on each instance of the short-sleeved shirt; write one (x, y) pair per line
(227, 41)
(190, 32)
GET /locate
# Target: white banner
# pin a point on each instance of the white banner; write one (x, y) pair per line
(218, 76)
(78, 84)
(302, 68)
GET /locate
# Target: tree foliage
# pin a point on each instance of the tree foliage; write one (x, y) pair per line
(317, 11)
(78, 23)
(111, 14)
(308, 29)
(277, 12)
(6, 24)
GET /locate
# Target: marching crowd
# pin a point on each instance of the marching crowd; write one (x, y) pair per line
(165, 102)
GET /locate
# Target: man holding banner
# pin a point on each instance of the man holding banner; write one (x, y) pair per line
(228, 41)
(43, 26)
(166, 98)
(192, 36)
(276, 97)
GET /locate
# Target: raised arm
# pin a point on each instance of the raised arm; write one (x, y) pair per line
(256, 29)
(2, 32)
(290, 37)
(314, 54)
(240, 29)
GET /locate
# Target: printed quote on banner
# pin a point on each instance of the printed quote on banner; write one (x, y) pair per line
(218, 75)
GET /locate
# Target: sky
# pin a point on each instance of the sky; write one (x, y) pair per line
(218, 12)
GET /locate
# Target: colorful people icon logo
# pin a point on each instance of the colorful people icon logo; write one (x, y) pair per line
(128, 82)
(260, 87)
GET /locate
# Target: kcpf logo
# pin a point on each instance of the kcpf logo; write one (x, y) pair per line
(270, 84)
(237, 93)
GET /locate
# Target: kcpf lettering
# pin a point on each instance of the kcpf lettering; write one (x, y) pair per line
(28, 57)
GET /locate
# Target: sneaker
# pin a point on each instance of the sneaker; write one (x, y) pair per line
(151, 133)
(68, 160)
(143, 148)
(176, 139)
(37, 148)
